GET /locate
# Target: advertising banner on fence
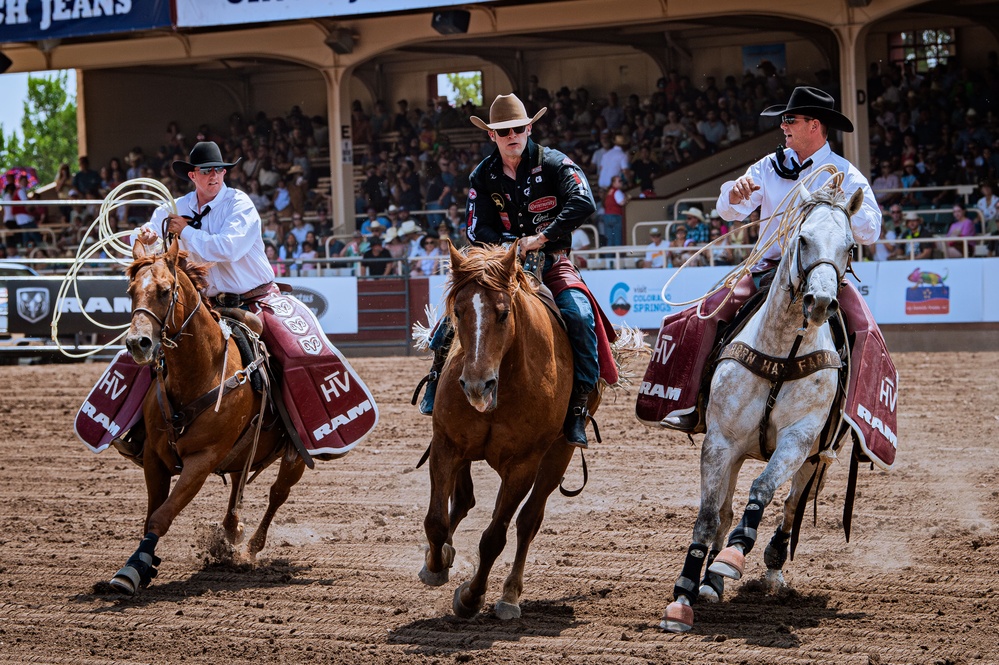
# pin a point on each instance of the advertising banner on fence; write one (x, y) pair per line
(942, 291)
(32, 300)
(199, 13)
(30, 20)
(990, 297)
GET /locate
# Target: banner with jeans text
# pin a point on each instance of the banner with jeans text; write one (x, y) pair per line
(31, 20)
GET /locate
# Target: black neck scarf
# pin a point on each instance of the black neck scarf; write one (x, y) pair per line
(791, 172)
(195, 221)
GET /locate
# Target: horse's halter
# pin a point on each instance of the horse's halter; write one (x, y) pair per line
(804, 272)
(166, 340)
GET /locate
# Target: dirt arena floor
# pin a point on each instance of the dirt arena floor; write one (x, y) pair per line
(337, 583)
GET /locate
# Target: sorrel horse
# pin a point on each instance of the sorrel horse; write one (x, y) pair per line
(502, 398)
(771, 394)
(173, 329)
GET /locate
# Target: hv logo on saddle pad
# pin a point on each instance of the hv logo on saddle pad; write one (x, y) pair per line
(114, 404)
(330, 406)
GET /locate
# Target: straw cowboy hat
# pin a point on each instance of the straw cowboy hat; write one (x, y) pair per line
(204, 153)
(694, 212)
(507, 111)
(814, 103)
(409, 226)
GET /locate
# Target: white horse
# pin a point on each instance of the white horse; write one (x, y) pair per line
(791, 365)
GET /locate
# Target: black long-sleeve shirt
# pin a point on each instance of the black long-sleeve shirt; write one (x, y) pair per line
(550, 196)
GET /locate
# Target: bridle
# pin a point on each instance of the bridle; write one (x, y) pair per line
(805, 271)
(167, 341)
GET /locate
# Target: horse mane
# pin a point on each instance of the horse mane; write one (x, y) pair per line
(196, 272)
(484, 266)
(828, 195)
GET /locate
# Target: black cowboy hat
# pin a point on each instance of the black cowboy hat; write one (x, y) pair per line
(814, 103)
(204, 153)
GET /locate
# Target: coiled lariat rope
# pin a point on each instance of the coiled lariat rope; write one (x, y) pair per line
(790, 220)
(144, 191)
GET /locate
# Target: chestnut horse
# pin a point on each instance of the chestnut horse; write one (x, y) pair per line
(174, 330)
(502, 398)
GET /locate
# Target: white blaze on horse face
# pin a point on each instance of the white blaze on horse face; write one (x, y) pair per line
(146, 281)
(480, 323)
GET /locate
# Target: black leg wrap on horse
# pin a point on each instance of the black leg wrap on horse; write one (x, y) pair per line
(144, 561)
(775, 556)
(713, 580)
(745, 533)
(686, 584)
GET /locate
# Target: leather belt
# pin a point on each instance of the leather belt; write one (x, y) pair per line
(237, 299)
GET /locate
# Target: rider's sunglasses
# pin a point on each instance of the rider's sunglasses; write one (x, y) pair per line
(506, 131)
(790, 119)
(205, 170)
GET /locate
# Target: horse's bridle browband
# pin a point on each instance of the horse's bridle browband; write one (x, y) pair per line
(165, 340)
(803, 272)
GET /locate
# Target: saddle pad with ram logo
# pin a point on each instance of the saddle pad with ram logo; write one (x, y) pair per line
(330, 406)
(114, 404)
(872, 399)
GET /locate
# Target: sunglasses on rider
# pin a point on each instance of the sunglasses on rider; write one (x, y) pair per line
(790, 119)
(205, 170)
(506, 130)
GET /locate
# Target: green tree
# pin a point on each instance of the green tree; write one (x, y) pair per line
(48, 131)
(467, 87)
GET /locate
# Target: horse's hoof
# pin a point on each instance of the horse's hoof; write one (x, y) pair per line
(126, 581)
(774, 580)
(679, 618)
(433, 579)
(461, 610)
(447, 554)
(708, 593)
(729, 563)
(506, 611)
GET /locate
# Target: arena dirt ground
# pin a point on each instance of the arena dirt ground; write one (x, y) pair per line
(337, 583)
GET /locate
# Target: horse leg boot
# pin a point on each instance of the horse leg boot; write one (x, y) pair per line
(679, 616)
(140, 568)
(441, 344)
(731, 561)
(713, 584)
(775, 556)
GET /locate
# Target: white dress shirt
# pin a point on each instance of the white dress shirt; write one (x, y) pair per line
(773, 188)
(229, 239)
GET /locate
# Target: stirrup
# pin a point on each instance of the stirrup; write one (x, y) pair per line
(429, 378)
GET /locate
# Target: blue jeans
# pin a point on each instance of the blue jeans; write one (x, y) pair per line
(578, 316)
(613, 230)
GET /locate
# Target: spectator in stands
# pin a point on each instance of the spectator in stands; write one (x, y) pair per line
(614, 162)
(613, 217)
(86, 182)
(679, 242)
(280, 269)
(645, 170)
(655, 251)
(712, 129)
(988, 205)
(914, 230)
(739, 234)
(884, 251)
(281, 199)
(260, 202)
(423, 259)
(721, 254)
(961, 227)
(894, 219)
(300, 228)
(716, 223)
(377, 261)
(580, 242)
(612, 114)
(271, 230)
(887, 179)
(696, 231)
(307, 255)
(290, 249)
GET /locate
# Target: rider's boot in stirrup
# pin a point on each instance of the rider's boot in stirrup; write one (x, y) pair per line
(688, 423)
(131, 443)
(427, 403)
(574, 426)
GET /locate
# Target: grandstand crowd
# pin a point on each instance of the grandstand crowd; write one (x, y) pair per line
(930, 132)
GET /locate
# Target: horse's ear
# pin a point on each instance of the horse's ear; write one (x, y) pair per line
(855, 202)
(173, 250)
(138, 249)
(456, 256)
(803, 194)
(510, 260)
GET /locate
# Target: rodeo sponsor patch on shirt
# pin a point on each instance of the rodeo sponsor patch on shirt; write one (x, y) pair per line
(542, 204)
(472, 194)
(536, 169)
(568, 162)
